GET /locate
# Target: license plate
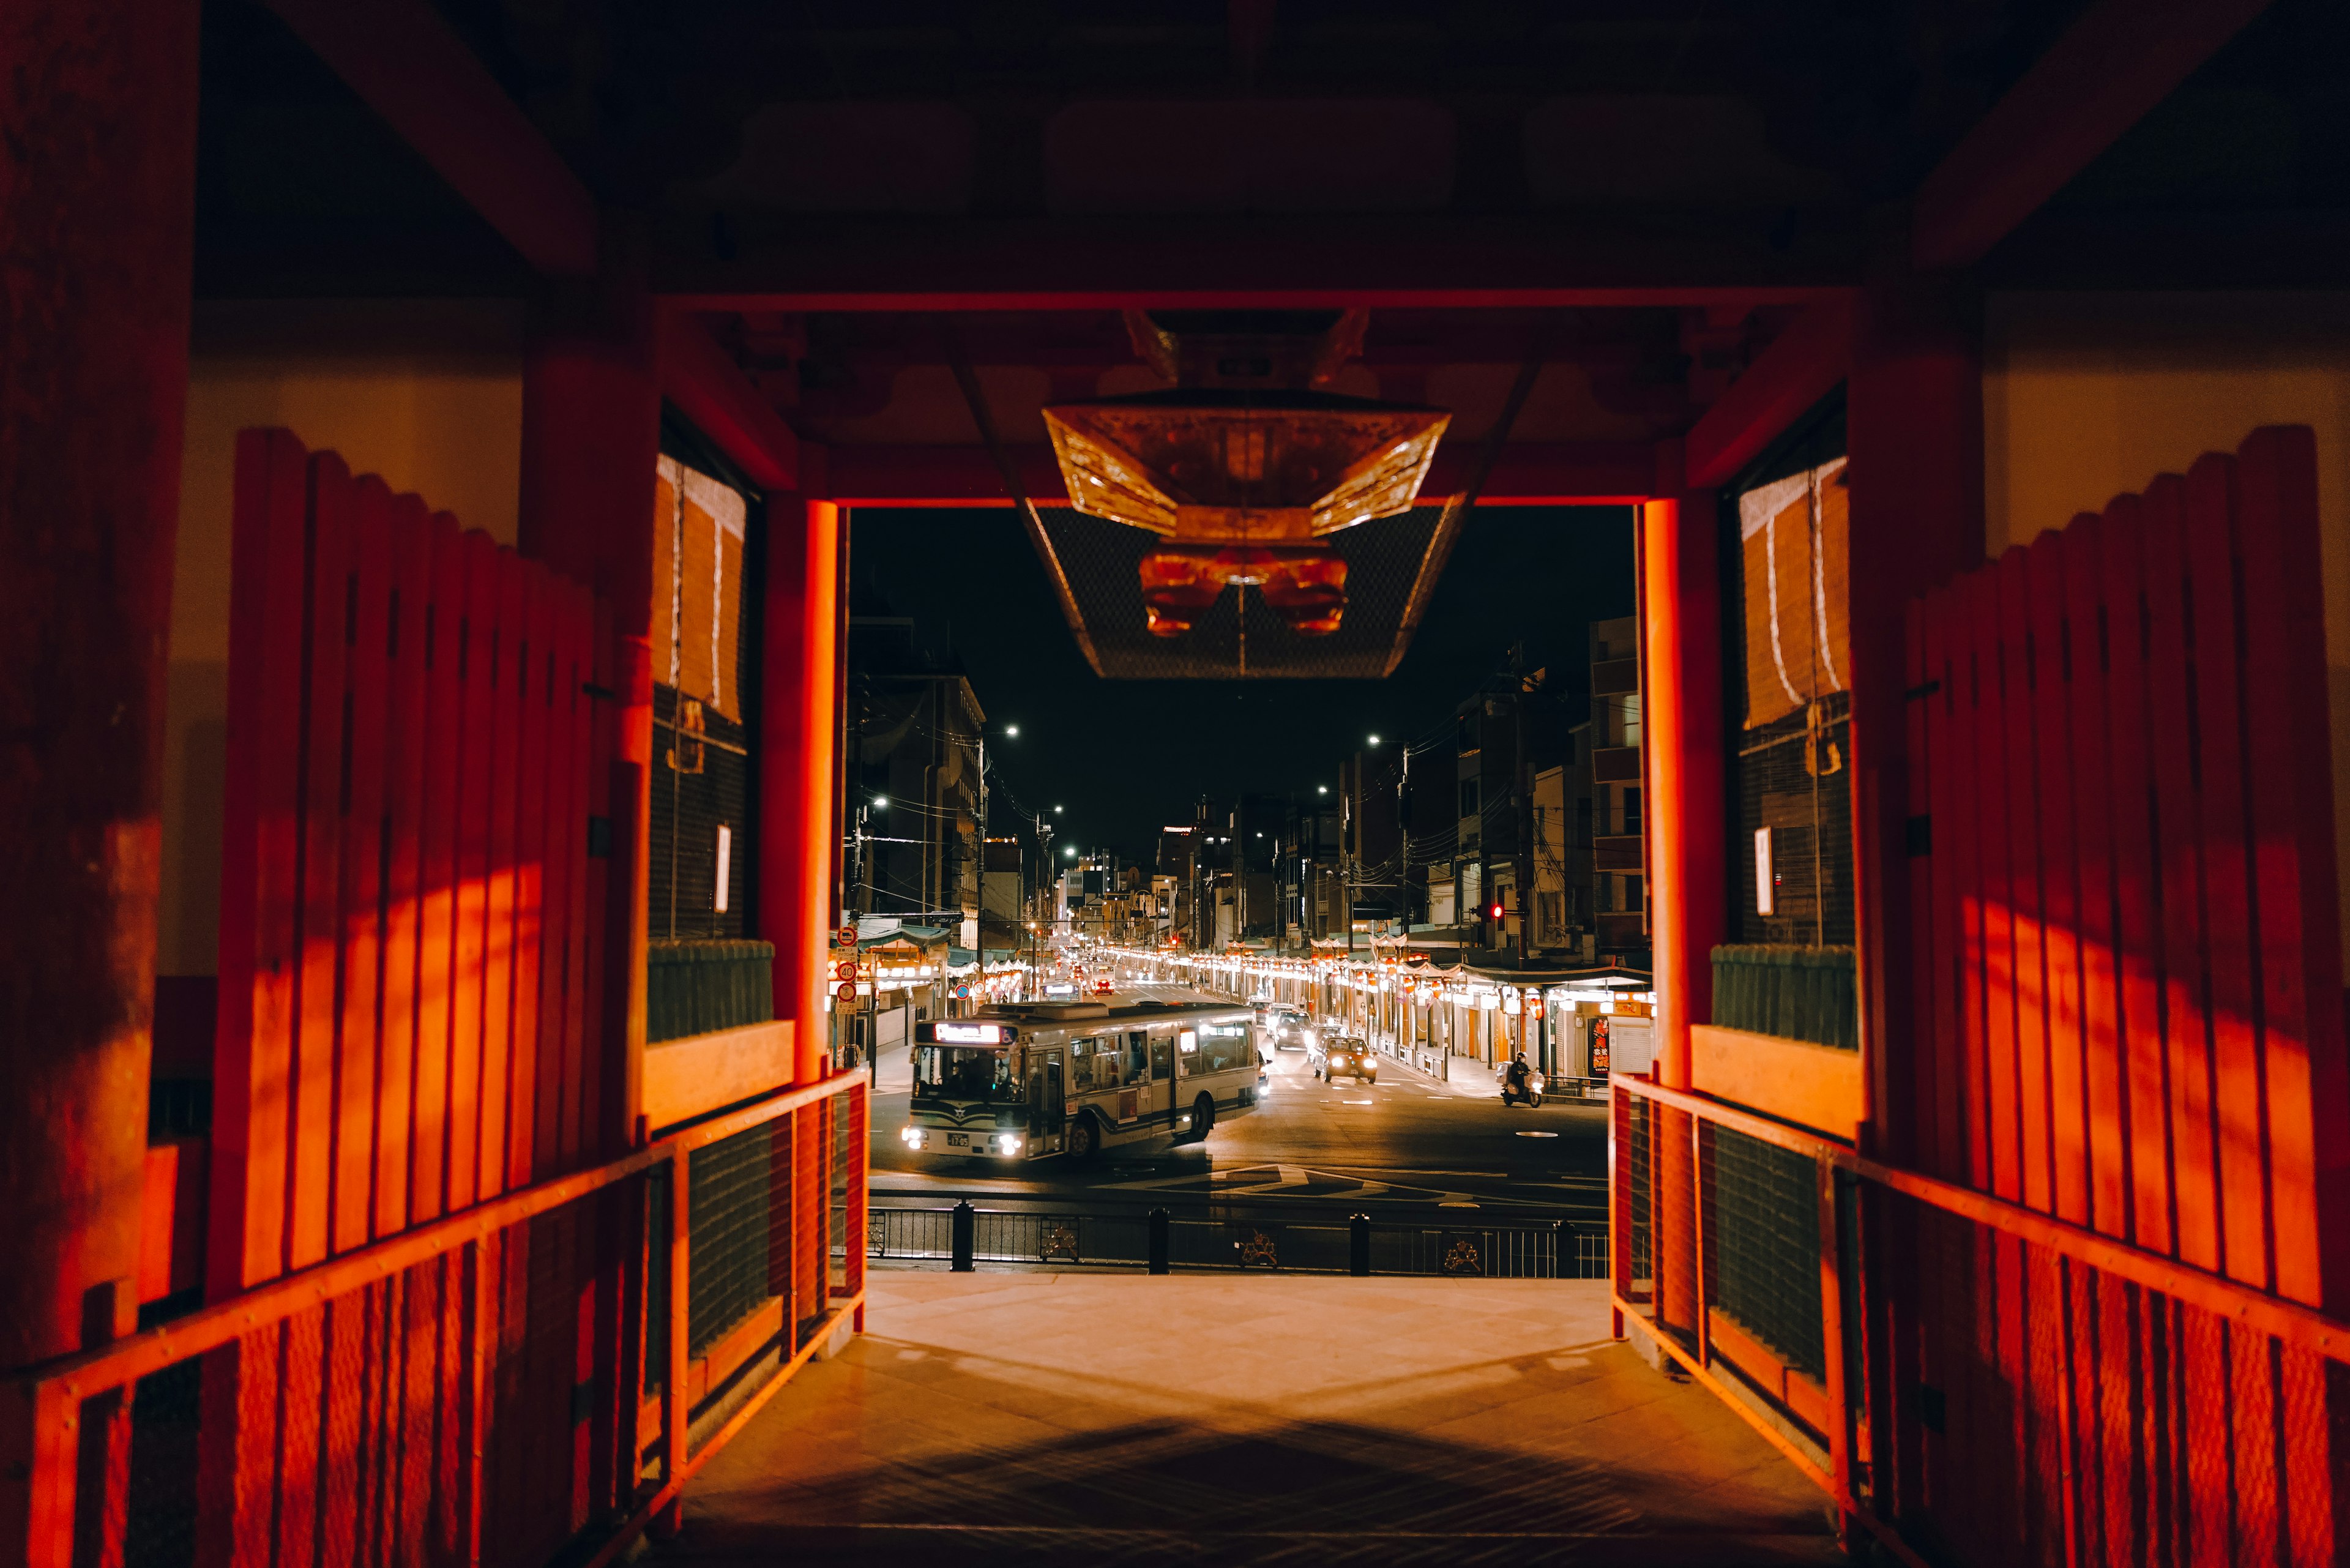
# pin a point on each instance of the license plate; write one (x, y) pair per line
(957, 1140)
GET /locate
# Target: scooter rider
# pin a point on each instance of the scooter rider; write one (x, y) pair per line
(1520, 1082)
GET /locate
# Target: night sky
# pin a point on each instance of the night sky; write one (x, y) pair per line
(1128, 756)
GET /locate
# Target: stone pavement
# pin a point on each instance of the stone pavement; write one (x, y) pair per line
(1196, 1418)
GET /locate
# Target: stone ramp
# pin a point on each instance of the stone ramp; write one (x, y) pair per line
(1205, 1420)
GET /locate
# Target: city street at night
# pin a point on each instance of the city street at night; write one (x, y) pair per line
(1407, 1146)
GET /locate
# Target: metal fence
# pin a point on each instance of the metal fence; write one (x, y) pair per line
(419, 1400)
(1535, 1250)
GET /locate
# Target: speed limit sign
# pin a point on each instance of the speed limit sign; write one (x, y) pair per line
(846, 991)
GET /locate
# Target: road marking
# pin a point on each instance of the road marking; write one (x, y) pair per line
(1359, 1102)
(1537, 1134)
(1457, 1205)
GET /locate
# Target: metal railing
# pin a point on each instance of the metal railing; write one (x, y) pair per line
(419, 1400)
(1159, 1241)
(1736, 1239)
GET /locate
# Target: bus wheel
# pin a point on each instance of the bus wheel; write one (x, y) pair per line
(1085, 1138)
(1203, 1116)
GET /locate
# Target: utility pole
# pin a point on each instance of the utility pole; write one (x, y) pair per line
(1522, 688)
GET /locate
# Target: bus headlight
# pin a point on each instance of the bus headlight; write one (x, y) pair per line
(915, 1137)
(1007, 1143)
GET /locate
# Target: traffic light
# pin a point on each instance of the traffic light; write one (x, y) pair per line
(1496, 911)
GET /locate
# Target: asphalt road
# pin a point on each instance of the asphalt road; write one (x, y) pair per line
(1403, 1145)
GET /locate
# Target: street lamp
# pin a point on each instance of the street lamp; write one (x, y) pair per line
(880, 800)
(1375, 740)
(1059, 809)
(1014, 729)
(1321, 789)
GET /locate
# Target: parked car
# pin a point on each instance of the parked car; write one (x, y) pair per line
(1343, 1057)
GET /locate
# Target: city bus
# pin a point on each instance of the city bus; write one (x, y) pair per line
(1023, 1082)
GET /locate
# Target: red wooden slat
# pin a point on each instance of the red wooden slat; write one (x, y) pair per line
(311, 1132)
(2136, 907)
(1996, 892)
(2290, 808)
(343, 1411)
(303, 1368)
(437, 907)
(476, 720)
(503, 652)
(2027, 977)
(1956, 916)
(260, 855)
(2060, 882)
(2048, 1515)
(1929, 986)
(2104, 1352)
(453, 1380)
(1917, 1359)
(2118, 1529)
(534, 671)
(2194, 1191)
(599, 1070)
(359, 1057)
(421, 1411)
(411, 589)
(311, 1137)
(2207, 1489)
(2221, 755)
(567, 893)
(2087, 721)
(2303, 1441)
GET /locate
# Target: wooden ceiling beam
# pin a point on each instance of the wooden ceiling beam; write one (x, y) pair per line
(1530, 473)
(710, 389)
(404, 63)
(2119, 60)
(1802, 366)
(1070, 264)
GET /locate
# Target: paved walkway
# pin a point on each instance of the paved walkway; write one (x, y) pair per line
(1000, 1419)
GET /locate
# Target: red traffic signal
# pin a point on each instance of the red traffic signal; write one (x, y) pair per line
(1497, 911)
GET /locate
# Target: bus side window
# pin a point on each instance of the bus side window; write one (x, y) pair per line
(1138, 1058)
(1162, 1058)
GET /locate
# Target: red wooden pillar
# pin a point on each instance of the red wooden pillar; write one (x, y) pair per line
(590, 444)
(97, 111)
(590, 447)
(1914, 434)
(798, 763)
(1681, 742)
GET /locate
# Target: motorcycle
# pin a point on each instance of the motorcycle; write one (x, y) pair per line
(1532, 1094)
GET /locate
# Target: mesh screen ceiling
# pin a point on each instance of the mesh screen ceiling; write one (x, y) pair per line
(1241, 637)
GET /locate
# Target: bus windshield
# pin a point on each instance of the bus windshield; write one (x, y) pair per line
(965, 1073)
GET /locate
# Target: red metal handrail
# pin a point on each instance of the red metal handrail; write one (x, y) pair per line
(2304, 1327)
(55, 1392)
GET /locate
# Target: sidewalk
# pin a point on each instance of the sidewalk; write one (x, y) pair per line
(1471, 1079)
(992, 1419)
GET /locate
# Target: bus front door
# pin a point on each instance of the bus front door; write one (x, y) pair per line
(1047, 1101)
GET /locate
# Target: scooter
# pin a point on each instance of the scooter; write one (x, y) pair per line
(1532, 1095)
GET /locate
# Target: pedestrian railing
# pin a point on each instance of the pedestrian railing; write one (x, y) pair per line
(1737, 1240)
(420, 1401)
(963, 1236)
